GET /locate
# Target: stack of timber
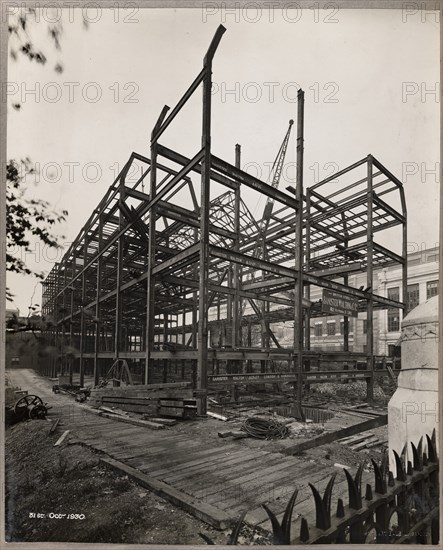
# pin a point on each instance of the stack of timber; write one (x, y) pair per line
(178, 408)
(143, 399)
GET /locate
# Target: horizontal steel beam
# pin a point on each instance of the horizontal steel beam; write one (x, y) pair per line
(183, 161)
(189, 255)
(252, 182)
(382, 204)
(388, 253)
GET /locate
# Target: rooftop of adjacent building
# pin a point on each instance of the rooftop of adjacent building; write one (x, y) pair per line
(419, 255)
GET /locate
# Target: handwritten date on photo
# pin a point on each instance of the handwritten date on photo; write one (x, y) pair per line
(51, 515)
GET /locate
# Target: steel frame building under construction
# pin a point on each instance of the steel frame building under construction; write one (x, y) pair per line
(173, 282)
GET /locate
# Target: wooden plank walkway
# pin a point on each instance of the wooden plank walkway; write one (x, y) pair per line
(214, 481)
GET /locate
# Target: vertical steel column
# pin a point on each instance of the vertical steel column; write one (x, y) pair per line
(118, 294)
(236, 270)
(56, 319)
(308, 265)
(194, 319)
(249, 345)
(202, 353)
(150, 285)
(298, 297)
(71, 326)
(345, 282)
(97, 305)
(183, 361)
(236, 322)
(165, 339)
(405, 250)
(82, 315)
(202, 336)
(370, 277)
(150, 282)
(63, 342)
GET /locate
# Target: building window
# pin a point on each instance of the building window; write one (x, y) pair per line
(412, 299)
(391, 350)
(135, 343)
(331, 328)
(393, 312)
(431, 289)
(365, 326)
(318, 329)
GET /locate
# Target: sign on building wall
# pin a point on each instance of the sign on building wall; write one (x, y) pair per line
(334, 302)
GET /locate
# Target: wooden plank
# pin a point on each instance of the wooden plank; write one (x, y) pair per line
(135, 422)
(367, 412)
(217, 416)
(165, 421)
(202, 467)
(137, 450)
(363, 444)
(61, 438)
(54, 426)
(194, 475)
(355, 438)
(177, 403)
(252, 477)
(104, 431)
(334, 436)
(181, 462)
(161, 455)
(210, 514)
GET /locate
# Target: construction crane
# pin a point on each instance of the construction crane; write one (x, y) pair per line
(276, 170)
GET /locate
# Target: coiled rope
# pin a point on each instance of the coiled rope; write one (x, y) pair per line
(263, 428)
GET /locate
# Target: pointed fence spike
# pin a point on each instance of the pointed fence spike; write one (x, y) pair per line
(353, 492)
(385, 463)
(403, 453)
(327, 496)
(379, 474)
(420, 451)
(357, 478)
(340, 509)
(368, 495)
(432, 454)
(322, 520)
(278, 537)
(425, 459)
(401, 474)
(304, 530)
(414, 455)
(287, 517)
(417, 454)
(391, 481)
(409, 470)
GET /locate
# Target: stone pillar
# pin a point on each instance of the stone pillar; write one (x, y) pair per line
(413, 409)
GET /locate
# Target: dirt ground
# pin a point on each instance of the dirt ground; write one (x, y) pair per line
(110, 508)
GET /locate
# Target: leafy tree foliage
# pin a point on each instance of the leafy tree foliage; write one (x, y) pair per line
(20, 39)
(25, 218)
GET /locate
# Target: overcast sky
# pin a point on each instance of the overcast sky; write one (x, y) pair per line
(369, 79)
